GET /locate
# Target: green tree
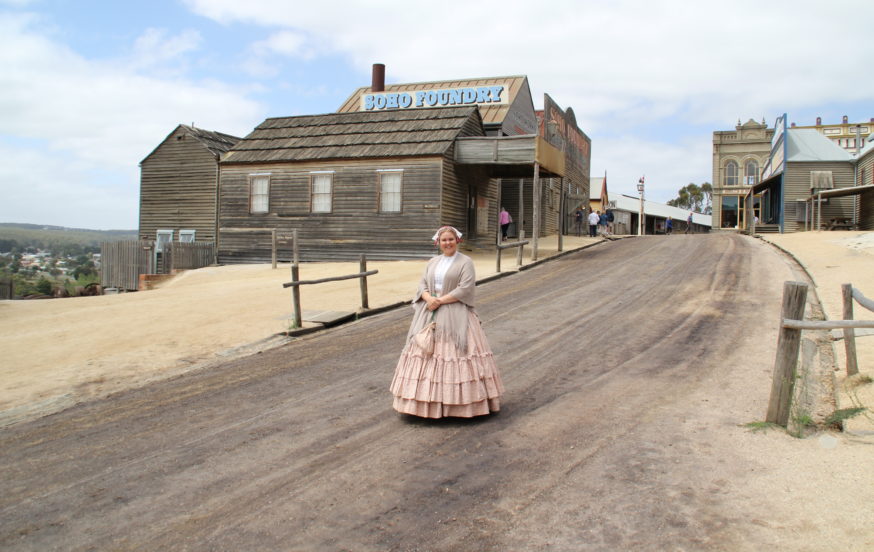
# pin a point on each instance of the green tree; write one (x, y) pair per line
(694, 197)
(44, 286)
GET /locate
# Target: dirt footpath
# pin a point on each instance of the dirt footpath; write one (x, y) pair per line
(57, 353)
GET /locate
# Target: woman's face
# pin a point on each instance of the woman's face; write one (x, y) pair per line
(448, 243)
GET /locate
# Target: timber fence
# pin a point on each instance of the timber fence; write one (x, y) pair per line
(296, 282)
(7, 289)
(789, 342)
(122, 262)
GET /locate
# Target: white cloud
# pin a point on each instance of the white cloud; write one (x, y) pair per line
(670, 58)
(666, 166)
(154, 46)
(98, 116)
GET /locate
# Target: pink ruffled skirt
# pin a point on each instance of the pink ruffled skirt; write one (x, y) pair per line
(449, 382)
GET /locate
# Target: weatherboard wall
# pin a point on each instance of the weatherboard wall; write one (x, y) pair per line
(178, 189)
(355, 224)
(796, 185)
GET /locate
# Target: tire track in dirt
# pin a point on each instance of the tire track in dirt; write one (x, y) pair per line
(298, 448)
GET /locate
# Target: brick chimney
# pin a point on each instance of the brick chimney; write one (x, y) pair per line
(378, 78)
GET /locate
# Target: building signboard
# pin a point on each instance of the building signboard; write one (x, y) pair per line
(774, 165)
(479, 95)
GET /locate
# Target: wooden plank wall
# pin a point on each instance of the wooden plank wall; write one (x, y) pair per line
(549, 203)
(866, 211)
(187, 256)
(355, 224)
(796, 185)
(178, 189)
(122, 262)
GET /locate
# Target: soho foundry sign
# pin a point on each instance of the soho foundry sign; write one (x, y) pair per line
(434, 98)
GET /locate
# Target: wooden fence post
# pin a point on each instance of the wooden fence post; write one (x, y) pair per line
(788, 344)
(273, 247)
(295, 276)
(363, 267)
(849, 333)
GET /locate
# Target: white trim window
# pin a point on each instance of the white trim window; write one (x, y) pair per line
(321, 191)
(186, 236)
(259, 193)
(751, 170)
(390, 186)
(731, 174)
(162, 239)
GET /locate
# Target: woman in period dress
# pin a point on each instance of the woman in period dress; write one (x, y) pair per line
(459, 378)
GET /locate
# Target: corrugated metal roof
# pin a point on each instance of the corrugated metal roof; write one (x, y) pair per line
(360, 134)
(491, 113)
(652, 208)
(807, 144)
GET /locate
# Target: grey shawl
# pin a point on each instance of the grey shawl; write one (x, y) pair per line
(452, 319)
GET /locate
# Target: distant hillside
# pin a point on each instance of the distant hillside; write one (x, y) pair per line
(56, 237)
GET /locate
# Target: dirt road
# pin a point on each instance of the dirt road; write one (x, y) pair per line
(630, 368)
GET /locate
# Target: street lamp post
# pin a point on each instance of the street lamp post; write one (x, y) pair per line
(641, 220)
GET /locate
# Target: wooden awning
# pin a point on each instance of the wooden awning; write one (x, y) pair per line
(510, 156)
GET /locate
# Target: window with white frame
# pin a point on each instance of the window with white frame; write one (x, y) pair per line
(321, 185)
(164, 238)
(259, 193)
(751, 170)
(186, 236)
(390, 190)
(731, 174)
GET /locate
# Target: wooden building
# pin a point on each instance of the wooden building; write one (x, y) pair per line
(179, 186)
(366, 182)
(865, 181)
(506, 109)
(802, 163)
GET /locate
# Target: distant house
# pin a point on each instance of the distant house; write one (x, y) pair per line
(374, 182)
(179, 186)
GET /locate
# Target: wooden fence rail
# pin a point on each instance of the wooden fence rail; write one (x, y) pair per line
(501, 246)
(789, 341)
(296, 282)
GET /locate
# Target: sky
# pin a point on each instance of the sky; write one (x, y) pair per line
(89, 88)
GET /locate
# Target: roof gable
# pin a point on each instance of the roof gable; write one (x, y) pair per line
(396, 133)
(805, 144)
(216, 143)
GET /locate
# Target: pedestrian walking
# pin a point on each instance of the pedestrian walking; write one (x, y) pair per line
(578, 220)
(669, 225)
(602, 223)
(447, 367)
(594, 219)
(689, 224)
(505, 220)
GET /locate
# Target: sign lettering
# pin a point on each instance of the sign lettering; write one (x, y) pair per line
(434, 98)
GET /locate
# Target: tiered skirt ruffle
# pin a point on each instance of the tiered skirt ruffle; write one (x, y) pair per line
(449, 382)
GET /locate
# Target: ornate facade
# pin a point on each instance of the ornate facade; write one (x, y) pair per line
(738, 158)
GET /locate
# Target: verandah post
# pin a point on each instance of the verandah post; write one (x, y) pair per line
(788, 344)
